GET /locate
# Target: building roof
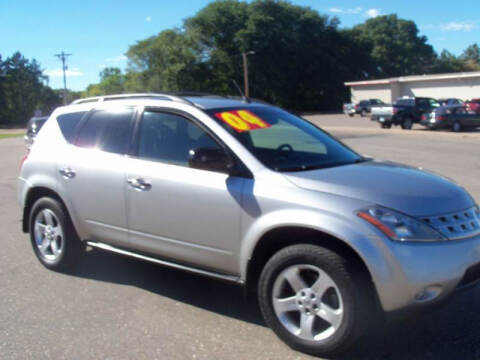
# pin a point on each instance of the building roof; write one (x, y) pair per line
(413, 78)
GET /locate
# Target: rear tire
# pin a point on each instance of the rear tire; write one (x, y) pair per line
(315, 300)
(53, 237)
(386, 126)
(351, 115)
(407, 123)
(457, 126)
(363, 113)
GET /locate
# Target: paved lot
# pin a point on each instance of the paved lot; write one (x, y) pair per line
(117, 308)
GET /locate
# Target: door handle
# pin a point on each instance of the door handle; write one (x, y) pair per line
(67, 173)
(139, 184)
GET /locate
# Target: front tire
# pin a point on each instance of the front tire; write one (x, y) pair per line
(314, 299)
(53, 237)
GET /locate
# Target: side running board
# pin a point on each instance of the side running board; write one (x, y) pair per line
(164, 262)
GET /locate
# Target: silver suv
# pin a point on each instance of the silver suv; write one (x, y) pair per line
(246, 192)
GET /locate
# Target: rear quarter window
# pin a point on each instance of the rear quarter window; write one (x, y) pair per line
(107, 130)
(68, 123)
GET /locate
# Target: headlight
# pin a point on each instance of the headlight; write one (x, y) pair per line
(398, 226)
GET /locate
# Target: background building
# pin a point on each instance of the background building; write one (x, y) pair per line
(458, 85)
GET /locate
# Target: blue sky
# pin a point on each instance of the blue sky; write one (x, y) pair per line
(98, 33)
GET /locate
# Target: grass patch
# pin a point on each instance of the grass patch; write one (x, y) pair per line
(13, 135)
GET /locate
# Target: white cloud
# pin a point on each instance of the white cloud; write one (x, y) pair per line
(372, 13)
(356, 10)
(102, 66)
(59, 73)
(148, 19)
(465, 26)
(116, 59)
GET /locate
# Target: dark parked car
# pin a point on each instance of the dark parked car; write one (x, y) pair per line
(450, 101)
(455, 117)
(364, 107)
(473, 105)
(33, 127)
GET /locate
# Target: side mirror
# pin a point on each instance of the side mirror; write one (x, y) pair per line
(208, 158)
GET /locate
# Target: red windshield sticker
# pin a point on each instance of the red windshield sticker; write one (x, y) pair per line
(242, 120)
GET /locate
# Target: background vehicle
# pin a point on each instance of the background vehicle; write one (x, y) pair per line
(450, 101)
(473, 105)
(251, 194)
(383, 115)
(33, 127)
(349, 109)
(364, 107)
(405, 112)
(455, 117)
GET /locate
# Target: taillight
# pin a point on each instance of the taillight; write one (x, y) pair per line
(24, 157)
(439, 118)
(395, 110)
(424, 117)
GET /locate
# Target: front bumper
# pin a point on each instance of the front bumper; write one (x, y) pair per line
(421, 274)
(435, 125)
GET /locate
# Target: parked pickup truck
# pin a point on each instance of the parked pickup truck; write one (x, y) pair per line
(405, 112)
(384, 115)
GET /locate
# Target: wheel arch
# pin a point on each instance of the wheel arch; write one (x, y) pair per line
(280, 237)
(32, 196)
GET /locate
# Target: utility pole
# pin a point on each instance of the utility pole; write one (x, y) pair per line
(62, 56)
(245, 72)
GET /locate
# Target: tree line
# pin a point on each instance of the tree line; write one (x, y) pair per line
(302, 58)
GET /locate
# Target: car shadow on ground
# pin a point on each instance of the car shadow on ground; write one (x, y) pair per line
(213, 295)
(449, 332)
(465, 131)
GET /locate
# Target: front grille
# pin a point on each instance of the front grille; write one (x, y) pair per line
(457, 225)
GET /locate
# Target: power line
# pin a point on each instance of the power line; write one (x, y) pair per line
(62, 56)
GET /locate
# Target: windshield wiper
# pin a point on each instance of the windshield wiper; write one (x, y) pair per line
(305, 167)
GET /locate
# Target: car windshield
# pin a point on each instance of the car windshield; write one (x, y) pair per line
(282, 141)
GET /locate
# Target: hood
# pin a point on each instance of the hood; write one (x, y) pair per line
(398, 187)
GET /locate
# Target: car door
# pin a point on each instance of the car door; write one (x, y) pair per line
(468, 120)
(175, 211)
(92, 173)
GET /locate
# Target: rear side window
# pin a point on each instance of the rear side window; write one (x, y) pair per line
(107, 130)
(67, 124)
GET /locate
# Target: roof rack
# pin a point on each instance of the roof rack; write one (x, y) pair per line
(158, 96)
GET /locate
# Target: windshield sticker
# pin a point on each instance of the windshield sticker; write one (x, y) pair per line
(242, 120)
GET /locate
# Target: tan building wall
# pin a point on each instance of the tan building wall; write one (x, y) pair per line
(382, 92)
(437, 89)
(388, 90)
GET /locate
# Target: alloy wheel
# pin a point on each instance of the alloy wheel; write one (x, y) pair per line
(307, 302)
(48, 235)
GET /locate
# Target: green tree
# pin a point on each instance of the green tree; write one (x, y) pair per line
(21, 89)
(447, 62)
(396, 47)
(471, 57)
(112, 81)
(164, 62)
(301, 59)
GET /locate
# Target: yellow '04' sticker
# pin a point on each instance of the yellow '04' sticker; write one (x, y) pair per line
(242, 120)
